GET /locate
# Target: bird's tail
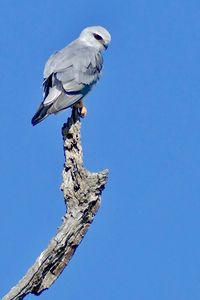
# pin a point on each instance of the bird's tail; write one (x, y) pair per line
(40, 115)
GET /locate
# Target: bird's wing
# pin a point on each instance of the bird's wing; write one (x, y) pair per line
(72, 71)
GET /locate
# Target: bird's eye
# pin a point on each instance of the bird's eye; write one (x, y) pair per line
(97, 37)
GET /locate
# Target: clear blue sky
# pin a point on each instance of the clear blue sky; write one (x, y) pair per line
(143, 124)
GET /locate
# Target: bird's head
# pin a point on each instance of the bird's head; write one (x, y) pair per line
(96, 36)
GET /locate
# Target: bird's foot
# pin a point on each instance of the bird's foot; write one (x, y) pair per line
(83, 111)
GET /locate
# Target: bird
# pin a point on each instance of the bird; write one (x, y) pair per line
(71, 73)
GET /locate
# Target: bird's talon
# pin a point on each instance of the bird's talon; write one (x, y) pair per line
(83, 112)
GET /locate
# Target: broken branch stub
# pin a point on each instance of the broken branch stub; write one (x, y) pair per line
(82, 190)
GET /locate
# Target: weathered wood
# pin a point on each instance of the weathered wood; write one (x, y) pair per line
(82, 190)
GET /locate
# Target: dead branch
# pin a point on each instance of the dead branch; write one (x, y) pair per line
(82, 190)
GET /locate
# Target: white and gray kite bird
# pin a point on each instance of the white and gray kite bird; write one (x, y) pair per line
(70, 73)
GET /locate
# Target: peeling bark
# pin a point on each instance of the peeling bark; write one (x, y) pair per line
(82, 190)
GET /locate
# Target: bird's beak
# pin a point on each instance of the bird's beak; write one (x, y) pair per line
(105, 46)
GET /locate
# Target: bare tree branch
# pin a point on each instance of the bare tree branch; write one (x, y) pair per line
(82, 190)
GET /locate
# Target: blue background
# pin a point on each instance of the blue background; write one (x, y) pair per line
(143, 124)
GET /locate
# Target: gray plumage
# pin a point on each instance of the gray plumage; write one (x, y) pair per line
(71, 73)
